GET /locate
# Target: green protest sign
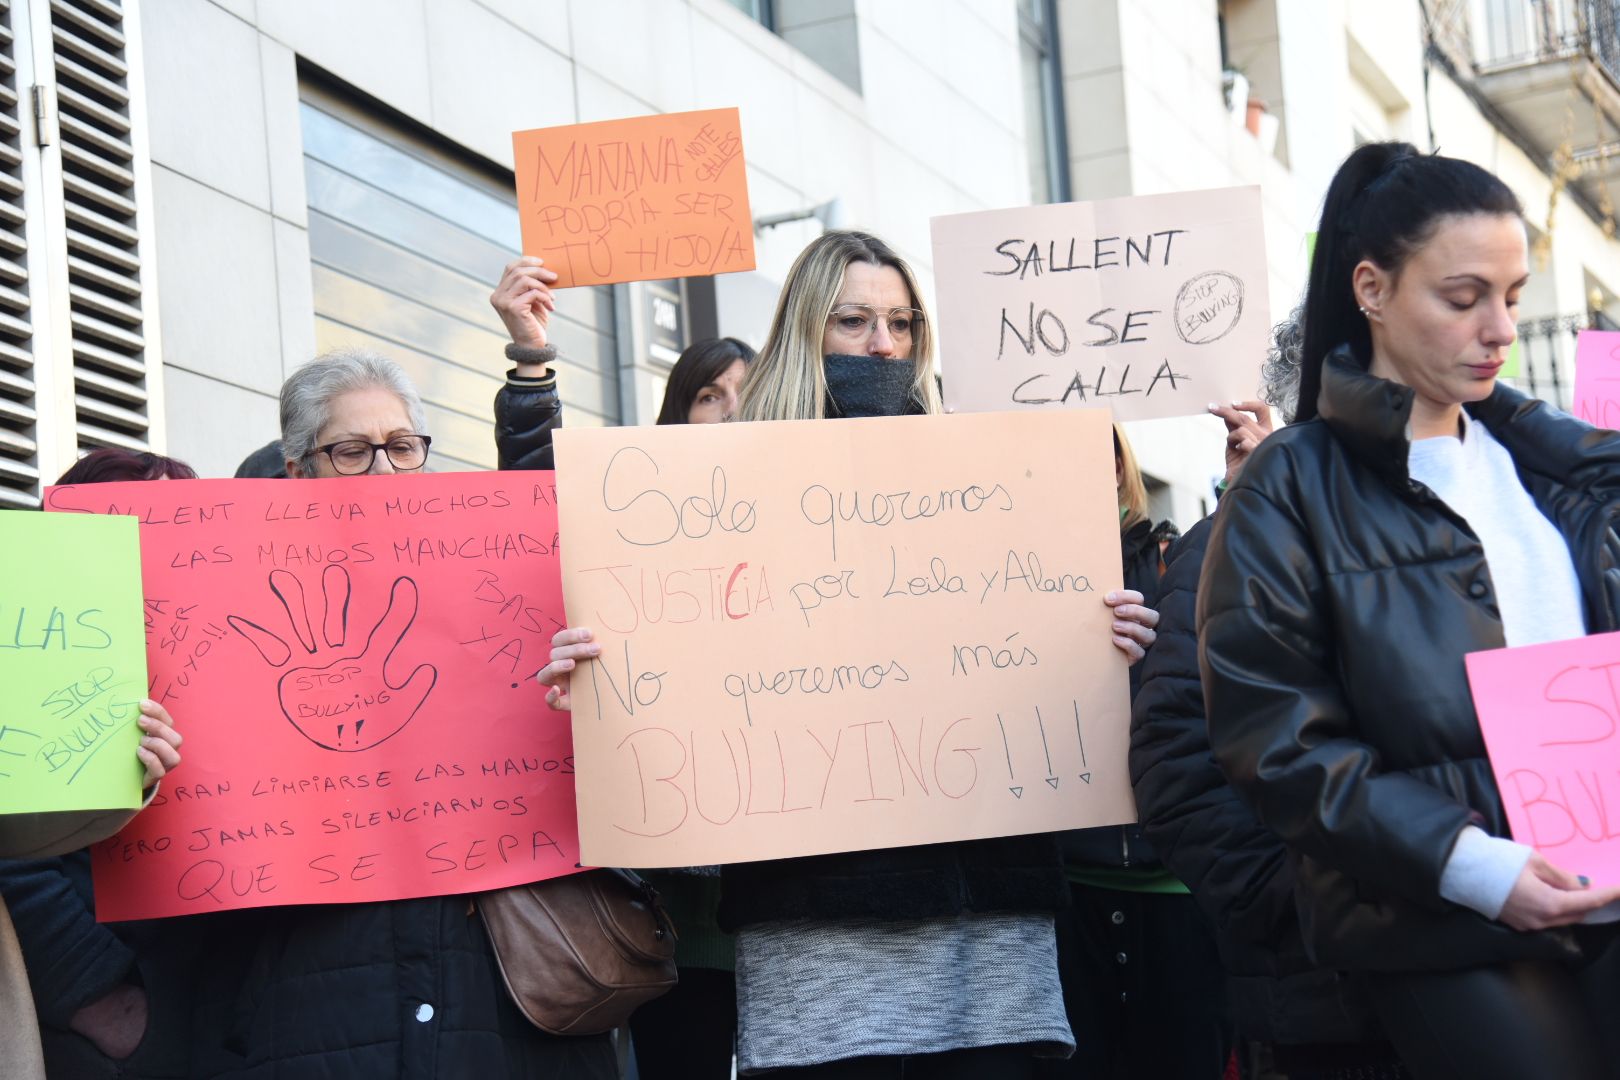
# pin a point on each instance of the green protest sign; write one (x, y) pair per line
(72, 662)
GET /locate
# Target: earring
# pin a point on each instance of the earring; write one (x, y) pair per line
(1362, 310)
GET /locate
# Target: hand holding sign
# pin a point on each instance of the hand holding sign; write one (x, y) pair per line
(1134, 632)
(569, 646)
(160, 743)
(1546, 896)
(524, 301)
(349, 703)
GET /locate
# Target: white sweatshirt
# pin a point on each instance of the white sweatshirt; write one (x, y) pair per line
(1538, 595)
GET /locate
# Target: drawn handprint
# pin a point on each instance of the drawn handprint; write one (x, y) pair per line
(348, 703)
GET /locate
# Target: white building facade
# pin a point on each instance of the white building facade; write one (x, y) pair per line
(197, 196)
(1166, 95)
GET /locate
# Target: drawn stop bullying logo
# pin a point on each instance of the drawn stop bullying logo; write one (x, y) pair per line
(348, 703)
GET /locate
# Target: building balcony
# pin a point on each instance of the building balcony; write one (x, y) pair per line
(1551, 73)
(1551, 70)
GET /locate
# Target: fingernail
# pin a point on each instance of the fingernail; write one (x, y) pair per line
(1112, 597)
(1212, 406)
(148, 704)
(593, 650)
(1120, 627)
(145, 723)
(1235, 404)
(1586, 882)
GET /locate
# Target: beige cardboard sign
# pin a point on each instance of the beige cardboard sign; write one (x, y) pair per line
(825, 636)
(1154, 305)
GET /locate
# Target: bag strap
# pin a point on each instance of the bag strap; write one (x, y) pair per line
(649, 895)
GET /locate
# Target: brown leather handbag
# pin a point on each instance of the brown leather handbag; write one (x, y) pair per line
(580, 953)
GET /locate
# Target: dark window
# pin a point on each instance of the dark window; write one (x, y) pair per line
(407, 238)
(1046, 137)
(761, 11)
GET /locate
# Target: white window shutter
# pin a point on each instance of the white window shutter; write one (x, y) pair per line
(26, 400)
(105, 206)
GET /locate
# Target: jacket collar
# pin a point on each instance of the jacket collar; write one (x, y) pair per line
(1371, 417)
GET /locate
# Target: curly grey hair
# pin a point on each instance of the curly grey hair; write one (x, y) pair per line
(1279, 375)
(308, 393)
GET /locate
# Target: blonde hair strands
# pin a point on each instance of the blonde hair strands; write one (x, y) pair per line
(787, 380)
(1133, 496)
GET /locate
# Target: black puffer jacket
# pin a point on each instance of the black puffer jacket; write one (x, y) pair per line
(1338, 599)
(527, 413)
(404, 989)
(1010, 874)
(1126, 846)
(1237, 869)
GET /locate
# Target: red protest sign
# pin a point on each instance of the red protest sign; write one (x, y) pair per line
(634, 200)
(1550, 715)
(350, 663)
(1597, 378)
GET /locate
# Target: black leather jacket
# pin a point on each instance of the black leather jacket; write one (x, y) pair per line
(1338, 599)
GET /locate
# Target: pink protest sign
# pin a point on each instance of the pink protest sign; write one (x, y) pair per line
(1597, 378)
(1550, 715)
(348, 660)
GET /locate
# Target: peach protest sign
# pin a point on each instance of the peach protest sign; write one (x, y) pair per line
(1597, 378)
(631, 200)
(349, 661)
(1549, 716)
(832, 636)
(1154, 305)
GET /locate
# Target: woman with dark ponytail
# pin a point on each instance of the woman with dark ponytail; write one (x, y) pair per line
(1419, 511)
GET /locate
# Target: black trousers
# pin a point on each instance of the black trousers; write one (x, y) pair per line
(976, 1063)
(1143, 986)
(690, 1032)
(1529, 1019)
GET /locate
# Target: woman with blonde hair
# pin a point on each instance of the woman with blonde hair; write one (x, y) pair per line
(849, 319)
(931, 961)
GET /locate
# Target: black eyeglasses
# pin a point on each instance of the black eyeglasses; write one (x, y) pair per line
(351, 457)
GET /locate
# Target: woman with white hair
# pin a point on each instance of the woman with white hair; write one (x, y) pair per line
(403, 988)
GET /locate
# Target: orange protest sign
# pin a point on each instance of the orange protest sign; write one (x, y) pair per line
(824, 636)
(633, 200)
